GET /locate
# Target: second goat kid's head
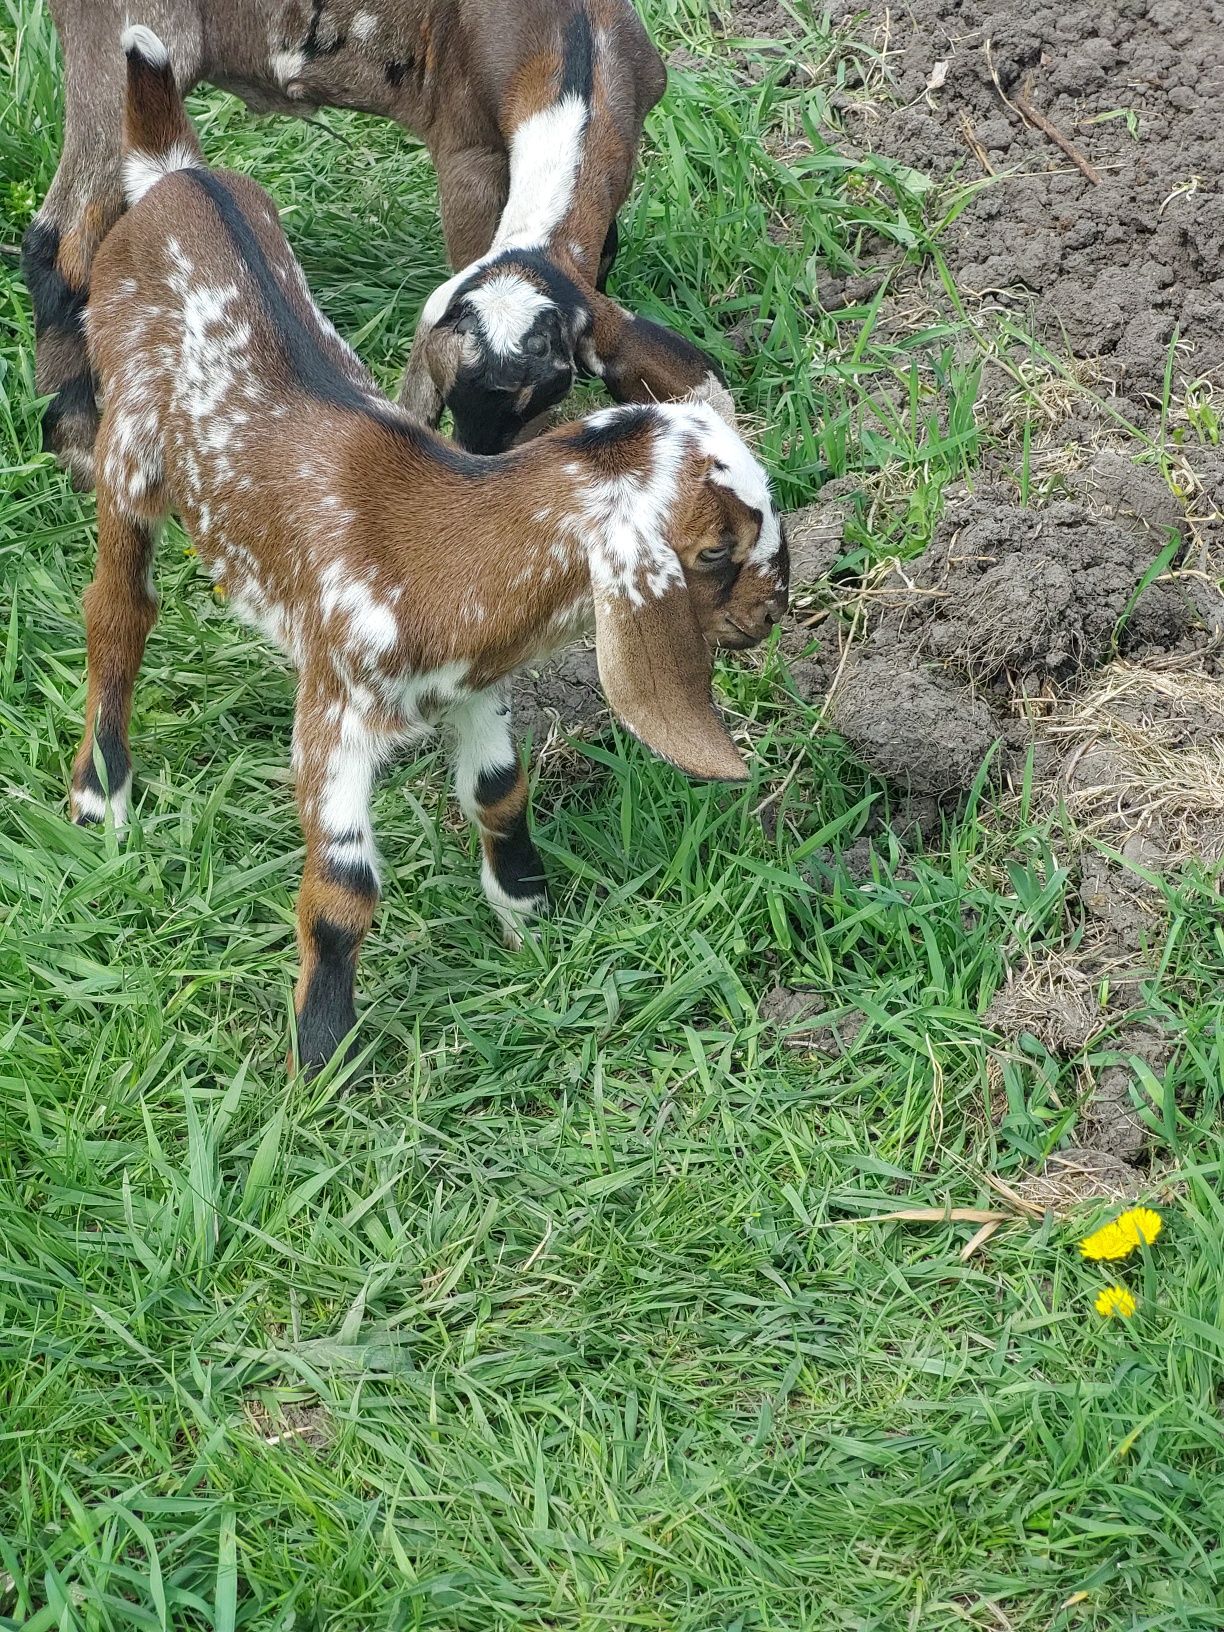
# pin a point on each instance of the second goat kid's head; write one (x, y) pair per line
(686, 556)
(499, 346)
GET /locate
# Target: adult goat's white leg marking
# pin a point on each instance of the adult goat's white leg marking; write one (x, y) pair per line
(545, 152)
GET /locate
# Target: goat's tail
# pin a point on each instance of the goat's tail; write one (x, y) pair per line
(158, 137)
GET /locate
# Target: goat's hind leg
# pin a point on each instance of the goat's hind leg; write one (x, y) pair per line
(493, 793)
(120, 610)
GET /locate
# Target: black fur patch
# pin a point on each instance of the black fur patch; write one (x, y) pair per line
(607, 256)
(328, 1012)
(492, 786)
(630, 423)
(516, 861)
(109, 742)
(117, 762)
(577, 57)
(300, 343)
(356, 876)
(74, 399)
(312, 46)
(57, 305)
(396, 72)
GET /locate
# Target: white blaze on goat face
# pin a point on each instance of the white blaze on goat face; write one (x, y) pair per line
(507, 306)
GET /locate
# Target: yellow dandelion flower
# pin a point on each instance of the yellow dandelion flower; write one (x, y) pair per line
(220, 591)
(1128, 1230)
(1114, 1300)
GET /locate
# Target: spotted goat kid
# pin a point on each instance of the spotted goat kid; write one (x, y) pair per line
(532, 111)
(404, 577)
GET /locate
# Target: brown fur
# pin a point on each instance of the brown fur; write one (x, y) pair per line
(402, 577)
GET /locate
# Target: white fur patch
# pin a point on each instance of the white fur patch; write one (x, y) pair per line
(136, 37)
(483, 742)
(545, 152)
(513, 911)
(90, 804)
(363, 25)
(344, 805)
(372, 623)
(507, 306)
(626, 516)
(286, 65)
(735, 467)
(444, 687)
(141, 171)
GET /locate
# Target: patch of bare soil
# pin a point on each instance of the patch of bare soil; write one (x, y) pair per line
(1103, 122)
(561, 697)
(1035, 629)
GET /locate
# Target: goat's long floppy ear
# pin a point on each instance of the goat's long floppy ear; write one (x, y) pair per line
(655, 669)
(432, 366)
(641, 361)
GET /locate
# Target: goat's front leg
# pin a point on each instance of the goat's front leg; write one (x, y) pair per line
(492, 788)
(472, 186)
(335, 756)
(120, 610)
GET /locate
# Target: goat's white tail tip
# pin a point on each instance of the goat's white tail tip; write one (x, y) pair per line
(136, 37)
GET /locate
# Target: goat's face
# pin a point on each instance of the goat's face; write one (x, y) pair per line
(497, 346)
(686, 555)
(731, 543)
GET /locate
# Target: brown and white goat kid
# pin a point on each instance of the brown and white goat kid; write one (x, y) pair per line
(405, 578)
(532, 111)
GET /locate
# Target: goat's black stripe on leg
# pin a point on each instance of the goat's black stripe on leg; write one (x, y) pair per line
(347, 862)
(70, 419)
(57, 305)
(512, 869)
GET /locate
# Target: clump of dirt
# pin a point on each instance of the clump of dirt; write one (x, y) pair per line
(1053, 1002)
(1036, 594)
(1009, 613)
(912, 725)
(803, 1023)
(1116, 244)
(816, 533)
(1110, 1120)
(1032, 631)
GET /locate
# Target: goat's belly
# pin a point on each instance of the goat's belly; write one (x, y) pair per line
(235, 573)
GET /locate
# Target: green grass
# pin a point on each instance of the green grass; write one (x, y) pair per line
(557, 1321)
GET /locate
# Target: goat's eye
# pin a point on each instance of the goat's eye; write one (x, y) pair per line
(535, 345)
(714, 557)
